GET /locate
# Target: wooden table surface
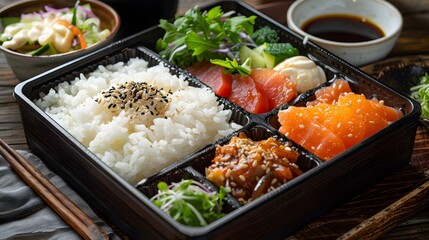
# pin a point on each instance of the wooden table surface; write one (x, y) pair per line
(395, 208)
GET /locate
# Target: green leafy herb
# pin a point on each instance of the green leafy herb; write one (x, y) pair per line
(232, 66)
(198, 36)
(74, 16)
(420, 93)
(74, 20)
(190, 202)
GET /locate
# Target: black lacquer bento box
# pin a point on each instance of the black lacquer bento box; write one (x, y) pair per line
(275, 215)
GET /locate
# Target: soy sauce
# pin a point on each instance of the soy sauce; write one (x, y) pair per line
(343, 28)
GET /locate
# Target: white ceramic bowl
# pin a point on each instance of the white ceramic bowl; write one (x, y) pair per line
(380, 12)
(26, 66)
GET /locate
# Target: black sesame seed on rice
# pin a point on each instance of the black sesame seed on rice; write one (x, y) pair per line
(145, 98)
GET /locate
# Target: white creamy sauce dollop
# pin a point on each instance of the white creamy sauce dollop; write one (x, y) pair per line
(302, 71)
(42, 30)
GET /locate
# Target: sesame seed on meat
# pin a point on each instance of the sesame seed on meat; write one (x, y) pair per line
(252, 168)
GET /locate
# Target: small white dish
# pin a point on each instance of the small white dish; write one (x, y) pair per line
(380, 12)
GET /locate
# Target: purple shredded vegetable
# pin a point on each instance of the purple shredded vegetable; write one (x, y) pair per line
(42, 14)
(87, 11)
(75, 42)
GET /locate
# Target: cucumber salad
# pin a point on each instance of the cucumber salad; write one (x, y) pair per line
(53, 30)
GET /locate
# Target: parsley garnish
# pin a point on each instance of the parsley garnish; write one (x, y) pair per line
(232, 66)
(198, 36)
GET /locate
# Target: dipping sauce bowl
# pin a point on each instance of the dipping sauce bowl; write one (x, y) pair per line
(358, 31)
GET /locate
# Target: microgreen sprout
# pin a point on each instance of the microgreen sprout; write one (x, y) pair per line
(420, 93)
(190, 202)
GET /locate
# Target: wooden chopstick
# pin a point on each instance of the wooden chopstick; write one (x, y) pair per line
(59, 202)
(380, 223)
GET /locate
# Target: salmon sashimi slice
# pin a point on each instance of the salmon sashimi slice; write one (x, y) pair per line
(244, 91)
(335, 123)
(361, 106)
(302, 125)
(278, 88)
(248, 95)
(389, 113)
(330, 94)
(213, 76)
(205, 71)
(342, 121)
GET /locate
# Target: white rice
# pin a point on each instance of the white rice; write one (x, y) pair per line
(136, 148)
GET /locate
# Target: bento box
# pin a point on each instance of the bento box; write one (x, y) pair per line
(319, 187)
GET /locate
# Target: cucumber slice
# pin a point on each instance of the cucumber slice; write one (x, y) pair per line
(51, 51)
(270, 60)
(39, 51)
(257, 60)
(259, 49)
(46, 49)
